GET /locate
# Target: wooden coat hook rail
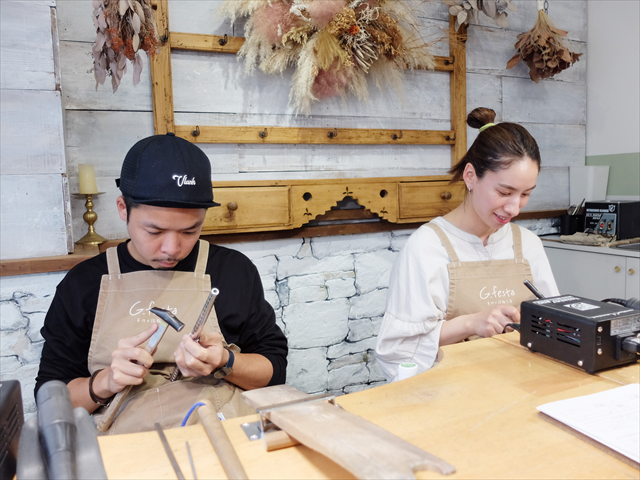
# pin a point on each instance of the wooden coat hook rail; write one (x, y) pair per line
(164, 118)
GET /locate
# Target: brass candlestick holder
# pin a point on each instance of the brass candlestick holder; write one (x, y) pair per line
(91, 238)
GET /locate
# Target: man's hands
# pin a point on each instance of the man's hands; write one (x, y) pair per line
(196, 359)
(122, 371)
(129, 363)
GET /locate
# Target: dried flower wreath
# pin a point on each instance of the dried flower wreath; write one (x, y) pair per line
(122, 28)
(333, 44)
(543, 50)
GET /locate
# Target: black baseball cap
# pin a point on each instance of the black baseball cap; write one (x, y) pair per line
(167, 171)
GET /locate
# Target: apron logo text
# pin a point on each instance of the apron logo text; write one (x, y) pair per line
(495, 293)
(183, 180)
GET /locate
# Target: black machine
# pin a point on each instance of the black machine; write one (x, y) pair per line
(585, 333)
(613, 218)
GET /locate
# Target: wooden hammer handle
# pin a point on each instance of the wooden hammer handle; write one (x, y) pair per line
(112, 409)
(221, 443)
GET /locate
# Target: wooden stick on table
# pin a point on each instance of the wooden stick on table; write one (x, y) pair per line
(221, 443)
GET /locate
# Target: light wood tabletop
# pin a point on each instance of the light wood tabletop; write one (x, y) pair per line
(476, 410)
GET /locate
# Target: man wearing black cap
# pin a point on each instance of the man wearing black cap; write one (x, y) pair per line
(100, 319)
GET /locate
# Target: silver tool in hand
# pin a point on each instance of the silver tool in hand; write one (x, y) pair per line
(152, 345)
(199, 326)
(533, 289)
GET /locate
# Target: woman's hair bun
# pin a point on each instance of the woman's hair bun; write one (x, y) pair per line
(480, 116)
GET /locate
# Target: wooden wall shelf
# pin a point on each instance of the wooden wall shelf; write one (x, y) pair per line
(285, 205)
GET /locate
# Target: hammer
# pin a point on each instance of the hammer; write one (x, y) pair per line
(166, 319)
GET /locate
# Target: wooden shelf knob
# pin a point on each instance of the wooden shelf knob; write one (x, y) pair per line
(232, 206)
(445, 195)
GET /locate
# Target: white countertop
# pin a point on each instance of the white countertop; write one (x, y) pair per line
(553, 241)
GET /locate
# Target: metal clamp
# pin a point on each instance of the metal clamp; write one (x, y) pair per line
(256, 430)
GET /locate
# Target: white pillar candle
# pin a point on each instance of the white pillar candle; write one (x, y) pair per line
(87, 177)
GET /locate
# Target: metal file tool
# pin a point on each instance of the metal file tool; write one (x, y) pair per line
(199, 326)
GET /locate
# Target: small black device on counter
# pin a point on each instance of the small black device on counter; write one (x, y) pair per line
(585, 333)
(620, 218)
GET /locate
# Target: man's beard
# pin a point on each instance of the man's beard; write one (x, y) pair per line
(165, 260)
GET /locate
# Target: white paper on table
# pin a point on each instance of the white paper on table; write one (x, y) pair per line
(611, 418)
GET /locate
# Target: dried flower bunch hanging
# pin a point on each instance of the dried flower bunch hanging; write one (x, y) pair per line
(543, 50)
(333, 44)
(466, 11)
(123, 27)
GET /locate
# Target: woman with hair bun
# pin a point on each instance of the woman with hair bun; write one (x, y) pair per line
(461, 275)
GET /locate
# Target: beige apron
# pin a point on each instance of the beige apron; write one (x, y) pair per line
(123, 311)
(477, 286)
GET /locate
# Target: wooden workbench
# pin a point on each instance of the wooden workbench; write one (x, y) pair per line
(476, 410)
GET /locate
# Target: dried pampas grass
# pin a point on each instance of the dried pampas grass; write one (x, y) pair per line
(322, 12)
(301, 95)
(333, 44)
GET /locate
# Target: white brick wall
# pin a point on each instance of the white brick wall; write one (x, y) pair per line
(330, 308)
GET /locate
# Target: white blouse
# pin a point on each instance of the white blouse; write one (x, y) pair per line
(419, 289)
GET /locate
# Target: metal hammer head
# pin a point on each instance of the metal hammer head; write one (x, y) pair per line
(169, 318)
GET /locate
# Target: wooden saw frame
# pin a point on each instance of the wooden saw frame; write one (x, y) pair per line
(163, 109)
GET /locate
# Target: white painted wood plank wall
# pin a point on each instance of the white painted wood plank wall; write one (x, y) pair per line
(33, 210)
(211, 89)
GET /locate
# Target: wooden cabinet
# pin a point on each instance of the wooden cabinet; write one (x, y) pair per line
(249, 209)
(632, 274)
(309, 201)
(594, 272)
(420, 200)
(282, 205)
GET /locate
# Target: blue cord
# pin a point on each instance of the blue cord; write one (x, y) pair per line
(195, 405)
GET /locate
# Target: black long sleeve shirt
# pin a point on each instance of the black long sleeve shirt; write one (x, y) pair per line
(245, 317)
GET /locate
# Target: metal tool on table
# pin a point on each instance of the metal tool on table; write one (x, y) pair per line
(167, 319)
(167, 449)
(199, 326)
(193, 467)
